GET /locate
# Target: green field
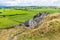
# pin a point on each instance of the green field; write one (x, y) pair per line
(10, 17)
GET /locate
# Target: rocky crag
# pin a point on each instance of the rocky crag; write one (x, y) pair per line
(35, 20)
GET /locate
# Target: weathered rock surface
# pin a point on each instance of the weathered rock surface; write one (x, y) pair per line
(35, 20)
(39, 16)
(29, 23)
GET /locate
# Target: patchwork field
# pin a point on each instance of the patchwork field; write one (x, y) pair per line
(10, 17)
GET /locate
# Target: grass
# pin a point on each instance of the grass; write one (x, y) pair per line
(10, 17)
(48, 30)
(13, 20)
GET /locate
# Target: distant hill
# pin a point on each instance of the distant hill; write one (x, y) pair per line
(26, 6)
(17, 6)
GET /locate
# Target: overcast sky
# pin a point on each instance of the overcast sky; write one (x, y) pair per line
(29, 2)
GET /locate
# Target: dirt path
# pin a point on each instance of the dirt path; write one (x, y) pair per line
(15, 38)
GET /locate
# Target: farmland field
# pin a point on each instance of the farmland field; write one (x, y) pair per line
(10, 17)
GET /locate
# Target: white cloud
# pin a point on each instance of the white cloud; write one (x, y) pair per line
(30, 2)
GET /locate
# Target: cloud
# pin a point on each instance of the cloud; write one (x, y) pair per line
(30, 2)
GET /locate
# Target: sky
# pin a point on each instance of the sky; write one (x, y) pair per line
(29, 2)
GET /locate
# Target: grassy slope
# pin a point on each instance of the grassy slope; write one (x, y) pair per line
(49, 29)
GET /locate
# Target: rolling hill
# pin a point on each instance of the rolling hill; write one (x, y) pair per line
(49, 29)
